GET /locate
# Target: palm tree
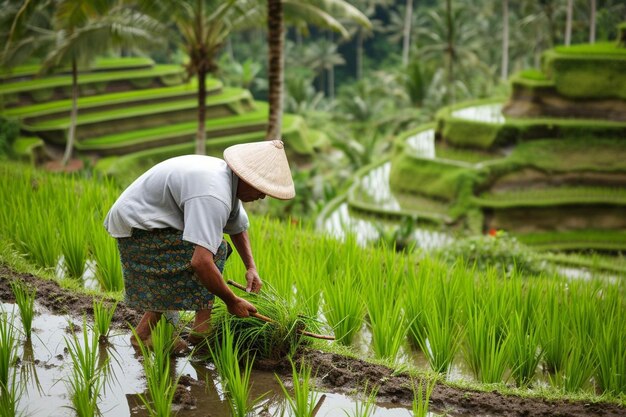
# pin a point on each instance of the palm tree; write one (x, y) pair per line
(316, 12)
(452, 44)
(201, 28)
(80, 30)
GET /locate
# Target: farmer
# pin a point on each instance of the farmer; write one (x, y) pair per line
(169, 224)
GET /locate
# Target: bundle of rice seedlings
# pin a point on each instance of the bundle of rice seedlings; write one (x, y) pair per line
(266, 340)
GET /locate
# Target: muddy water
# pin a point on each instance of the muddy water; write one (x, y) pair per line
(45, 366)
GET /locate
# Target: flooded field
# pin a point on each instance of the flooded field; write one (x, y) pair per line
(45, 365)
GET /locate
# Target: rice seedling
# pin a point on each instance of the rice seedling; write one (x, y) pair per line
(344, 308)
(421, 397)
(108, 267)
(610, 351)
(417, 299)
(486, 328)
(443, 340)
(25, 300)
(74, 247)
(87, 378)
(156, 363)
(37, 236)
(386, 317)
(485, 349)
(524, 350)
(554, 336)
(8, 353)
(366, 407)
(236, 380)
(10, 395)
(443, 333)
(304, 399)
(388, 328)
(102, 316)
(577, 369)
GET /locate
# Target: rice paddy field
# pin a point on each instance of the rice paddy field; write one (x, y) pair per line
(415, 334)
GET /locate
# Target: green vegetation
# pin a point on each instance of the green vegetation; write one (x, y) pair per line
(27, 148)
(609, 240)
(226, 356)
(37, 206)
(157, 367)
(304, 399)
(365, 407)
(553, 196)
(99, 64)
(87, 378)
(127, 167)
(157, 72)
(587, 49)
(92, 103)
(532, 74)
(261, 339)
(483, 135)
(524, 349)
(344, 307)
(25, 300)
(11, 388)
(447, 295)
(421, 397)
(102, 316)
(588, 71)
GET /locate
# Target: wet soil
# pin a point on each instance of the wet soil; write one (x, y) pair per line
(338, 373)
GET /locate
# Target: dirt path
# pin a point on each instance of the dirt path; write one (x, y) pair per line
(338, 373)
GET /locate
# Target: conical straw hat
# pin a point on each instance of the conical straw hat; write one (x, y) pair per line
(264, 166)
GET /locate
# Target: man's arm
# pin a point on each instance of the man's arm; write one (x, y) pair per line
(242, 244)
(206, 270)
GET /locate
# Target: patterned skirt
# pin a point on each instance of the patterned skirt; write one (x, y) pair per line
(158, 274)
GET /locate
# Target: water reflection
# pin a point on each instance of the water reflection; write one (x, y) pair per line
(422, 144)
(374, 188)
(341, 223)
(489, 113)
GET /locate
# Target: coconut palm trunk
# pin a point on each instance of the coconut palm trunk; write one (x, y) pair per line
(71, 134)
(201, 132)
(505, 40)
(406, 34)
(275, 27)
(450, 50)
(592, 22)
(568, 22)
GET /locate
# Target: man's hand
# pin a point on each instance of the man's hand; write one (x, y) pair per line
(241, 308)
(253, 280)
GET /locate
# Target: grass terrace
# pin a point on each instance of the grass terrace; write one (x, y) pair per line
(588, 70)
(127, 167)
(100, 64)
(59, 86)
(130, 141)
(557, 196)
(230, 101)
(484, 135)
(600, 240)
(60, 108)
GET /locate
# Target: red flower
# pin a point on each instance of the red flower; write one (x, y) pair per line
(493, 232)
